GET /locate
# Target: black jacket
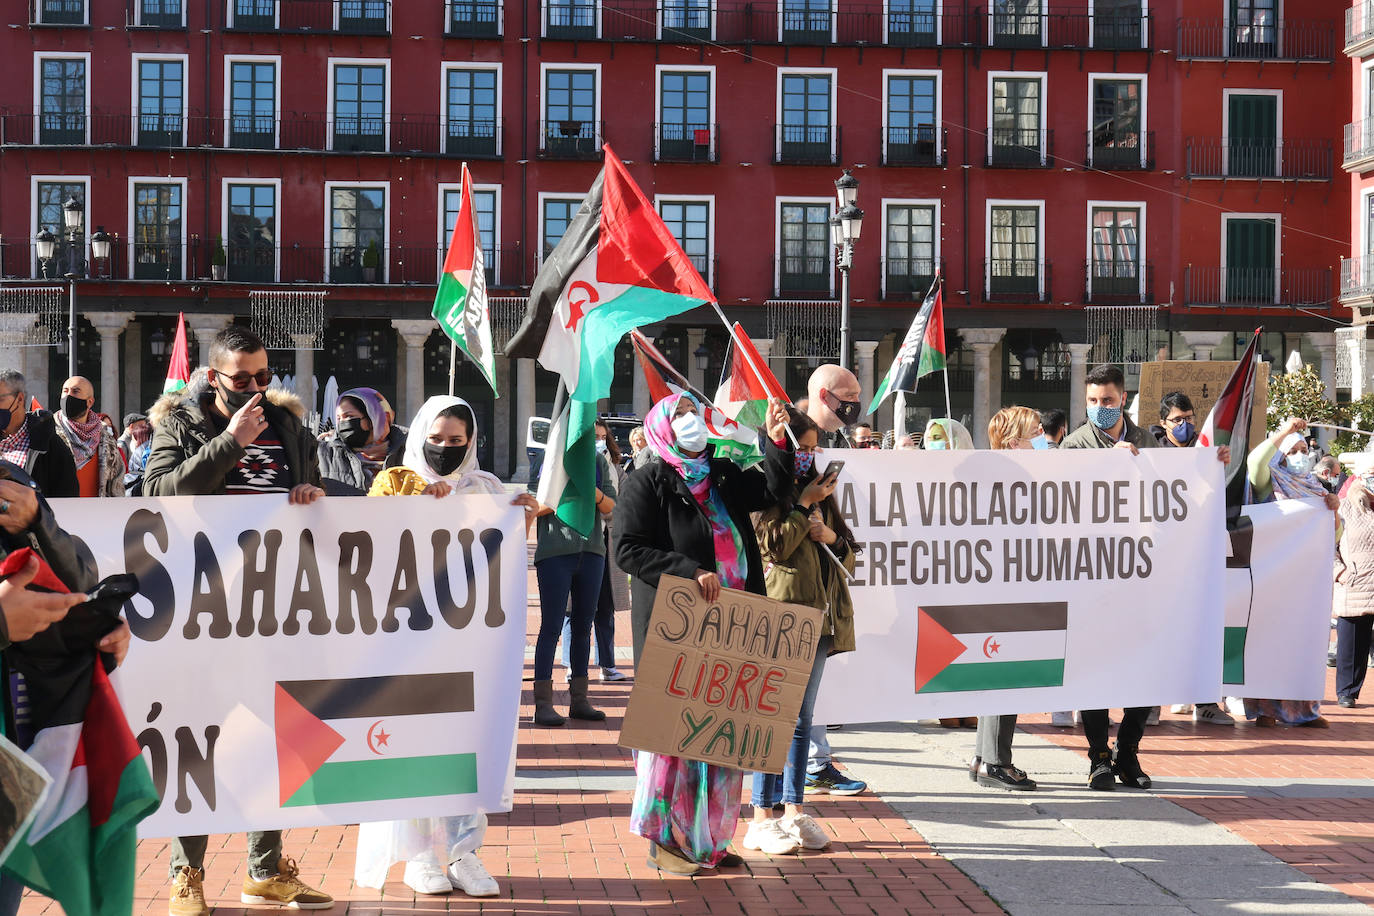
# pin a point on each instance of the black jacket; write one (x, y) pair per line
(50, 463)
(343, 471)
(660, 530)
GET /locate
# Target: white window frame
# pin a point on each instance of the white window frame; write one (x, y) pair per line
(38, 58)
(1141, 255)
(710, 71)
(939, 21)
(447, 187)
(275, 60)
(997, 203)
(500, 17)
(138, 58)
(133, 182)
(34, 181)
(1144, 24)
(1278, 249)
(1226, 128)
(85, 16)
(936, 227)
(1044, 15)
(710, 201)
(1094, 78)
(544, 26)
(224, 216)
(553, 195)
(276, 15)
(778, 202)
(1044, 77)
(544, 68)
(834, 75)
(447, 67)
(338, 13)
(329, 188)
(385, 64)
(888, 74)
(834, 18)
(1226, 29)
(658, 23)
(1366, 198)
(138, 13)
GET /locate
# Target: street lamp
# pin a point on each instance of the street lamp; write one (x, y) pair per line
(702, 357)
(845, 227)
(100, 244)
(46, 243)
(73, 216)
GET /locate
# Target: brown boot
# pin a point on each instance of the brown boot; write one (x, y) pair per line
(544, 714)
(578, 705)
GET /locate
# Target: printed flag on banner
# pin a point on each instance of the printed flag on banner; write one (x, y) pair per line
(922, 351)
(1228, 423)
(991, 646)
(567, 476)
(747, 384)
(179, 367)
(460, 303)
(371, 738)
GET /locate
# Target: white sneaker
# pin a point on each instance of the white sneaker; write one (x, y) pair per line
(1062, 719)
(1235, 706)
(613, 674)
(426, 877)
(470, 876)
(1181, 709)
(804, 829)
(1212, 714)
(767, 836)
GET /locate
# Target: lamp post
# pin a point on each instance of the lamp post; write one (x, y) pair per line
(73, 215)
(845, 227)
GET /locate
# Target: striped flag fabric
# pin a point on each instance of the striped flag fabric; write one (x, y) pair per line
(922, 351)
(990, 646)
(179, 367)
(567, 475)
(1228, 423)
(747, 384)
(460, 303)
(1240, 593)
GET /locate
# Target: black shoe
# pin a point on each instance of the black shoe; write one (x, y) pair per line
(1007, 777)
(1127, 767)
(974, 767)
(1100, 773)
(730, 860)
(1347, 702)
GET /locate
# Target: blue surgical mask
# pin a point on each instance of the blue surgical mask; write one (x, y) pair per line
(936, 445)
(1104, 417)
(1183, 432)
(802, 462)
(690, 432)
(1040, 443)
(1302, 463)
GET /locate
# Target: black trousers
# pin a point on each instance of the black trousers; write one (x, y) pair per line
(1096, 728)
(1352, 653)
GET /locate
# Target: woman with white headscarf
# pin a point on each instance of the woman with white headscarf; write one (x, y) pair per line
(440, 852)
(943, 434)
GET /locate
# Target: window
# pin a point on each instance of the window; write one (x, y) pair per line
(1115, 267)
(1015, 138)
(804, 248)
(256, 15)
(366, 17)
(471, 103)
(1117, 24)
(911, 136)
(555, 215)
(690, 223)
(1117, 135)
(49, 196)
(357, 234)
(572, 19)
(474, 18)
(62, 12)
(806, 21)
(157, 231)
(1014, 266)
(685, 129)
(1251, 259)
(484, 202)
(250, 239)
(359, 96)
(252, 104)
(164, 14)
(62, 100)
(909, 248)
(805, 131)
(685, 19)
(1252, 128)
(1018, 23)
(161, 102)
(912, 23)
(570, 113)
(1253, 28)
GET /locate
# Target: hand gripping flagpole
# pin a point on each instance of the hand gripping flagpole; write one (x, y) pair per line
(750, 359)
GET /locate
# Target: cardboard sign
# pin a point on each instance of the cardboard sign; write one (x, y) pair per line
(1202, 381)
(721, 682)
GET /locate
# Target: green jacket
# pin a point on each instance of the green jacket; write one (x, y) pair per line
(1089, 436)
(794, 571)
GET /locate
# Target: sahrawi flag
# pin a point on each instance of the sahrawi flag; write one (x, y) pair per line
(373, 738)
(80, 848)
(1228, 423)
(922, 351)
(990, 646)
(179, 367)
(747, 384)
(460, 304)
(617, 267)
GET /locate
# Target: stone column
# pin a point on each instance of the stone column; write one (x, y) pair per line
(983, 341)
(1324, 343)
(133, 371)
(866, 370)
(305, 370)
(695, 338)
(109, 325)
(1203, 343)
(204, 327)
(413, 335)
(524, 409)
(500, 420)
(1078, 371)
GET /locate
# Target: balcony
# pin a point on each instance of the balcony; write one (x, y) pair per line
(57, 12)
(339, 17)
(1357, 280)
(1283, 158)
(1257, 287)
(686, 142)
(474, 19)
(1288, 40)
(571, 139)
(159, 14)
(920, 145)
(907, 278)
(1359, 28)
(1118, 283)
(571, 20)
(1128, 152)
(1016, 281)
(806, 145)
(804, 277)
(1014, 148)
(1070, 28)
(1359, 147)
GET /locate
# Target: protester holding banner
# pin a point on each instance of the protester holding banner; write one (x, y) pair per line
(1355, 583)
(364, 442)
(945, 434)
(688, 514)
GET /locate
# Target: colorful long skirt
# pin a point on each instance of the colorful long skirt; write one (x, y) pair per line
(687, 807)
(1289, 712)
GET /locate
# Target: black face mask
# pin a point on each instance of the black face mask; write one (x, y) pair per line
(235, 400)
(847, 411)
(74, 406)
(352, 432)
(445, 459)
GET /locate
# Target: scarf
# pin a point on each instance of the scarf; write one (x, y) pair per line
(375, 407)
(468, 478)
(83, 436)
(1290, 485)
(956, 436)
(658, 429)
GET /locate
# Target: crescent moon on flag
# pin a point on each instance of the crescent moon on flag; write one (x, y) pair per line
(990, 647)
(373, 736)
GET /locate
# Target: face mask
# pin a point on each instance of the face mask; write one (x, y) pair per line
(74, 406)
(1040, 443)
(1369, 483)
(1302, 463)
(444, 459)
(689, 430)
(1104, 417)
(802, 463)
(847, 411)
(235, 400)
(1183, 432)
(601, 446)
(352, 433)
(936, 445)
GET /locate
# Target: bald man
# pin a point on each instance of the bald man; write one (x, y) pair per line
(833, 400)
(94, 448)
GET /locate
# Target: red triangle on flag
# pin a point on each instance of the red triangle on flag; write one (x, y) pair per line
(649, 357)
(464, 239)
(750, 378)
(304, 743)
(936, 648)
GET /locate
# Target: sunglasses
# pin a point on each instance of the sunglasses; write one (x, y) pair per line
(240, 380)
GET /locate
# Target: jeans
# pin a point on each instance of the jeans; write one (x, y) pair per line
(577, 575)
(264, 852)
(603, 626)
(771, 788)
(1096, 725)
(11, 892)
(1352, 653)
(993, 742)
(818, 754)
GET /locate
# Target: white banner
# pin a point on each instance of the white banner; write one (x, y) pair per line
(999, 582)
(353, 660)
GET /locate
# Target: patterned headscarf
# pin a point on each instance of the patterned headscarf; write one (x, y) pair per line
(658, 430)
(375, 406)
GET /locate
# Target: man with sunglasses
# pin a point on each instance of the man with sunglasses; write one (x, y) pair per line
(233, 439)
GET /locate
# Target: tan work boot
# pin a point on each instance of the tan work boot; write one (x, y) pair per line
(285, 889)
(188, 893)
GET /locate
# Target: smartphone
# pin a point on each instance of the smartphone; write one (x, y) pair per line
(832, 472)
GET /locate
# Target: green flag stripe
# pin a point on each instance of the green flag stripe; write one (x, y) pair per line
(607, 323)
(932, 360)
(1233, 655)
(1047, 672)
(386, 778)
(453, 296)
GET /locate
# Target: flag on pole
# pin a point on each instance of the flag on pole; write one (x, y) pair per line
(1228, 423)
(179, 368)
(747, 384)
(567, 476)
(922, 351)
(460, 303)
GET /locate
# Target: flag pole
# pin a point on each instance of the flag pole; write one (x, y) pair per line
(949, 411)
(730, 329)
(452, 365)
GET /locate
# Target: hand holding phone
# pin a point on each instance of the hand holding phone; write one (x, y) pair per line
(831, 472)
